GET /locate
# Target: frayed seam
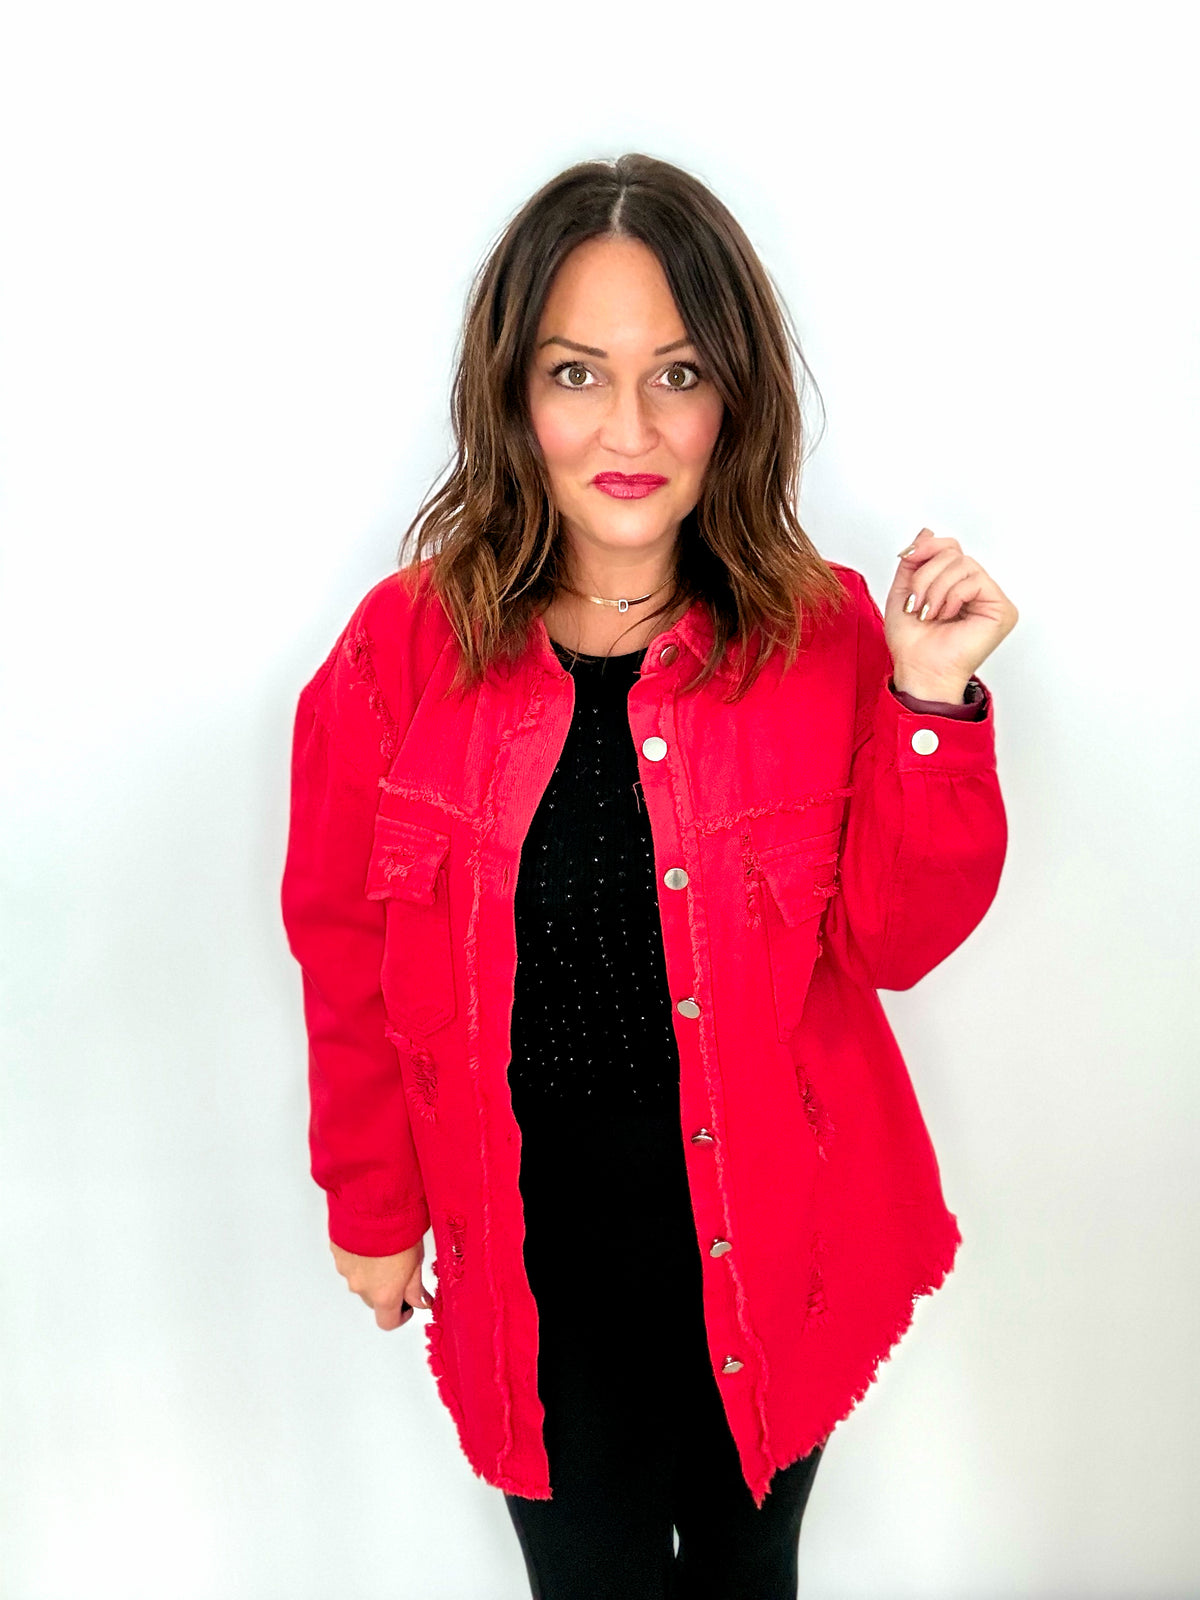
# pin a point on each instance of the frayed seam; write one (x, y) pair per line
(731, 819)
(426, 796)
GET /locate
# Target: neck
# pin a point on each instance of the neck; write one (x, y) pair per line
(574, 620)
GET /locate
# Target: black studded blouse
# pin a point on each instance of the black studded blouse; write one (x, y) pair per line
(592, 1024)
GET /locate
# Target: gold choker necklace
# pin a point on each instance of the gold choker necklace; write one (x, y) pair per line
(622, 604)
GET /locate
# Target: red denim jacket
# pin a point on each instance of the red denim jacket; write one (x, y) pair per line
(834, 841)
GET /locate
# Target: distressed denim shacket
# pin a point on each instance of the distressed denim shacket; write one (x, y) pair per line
(814, 843)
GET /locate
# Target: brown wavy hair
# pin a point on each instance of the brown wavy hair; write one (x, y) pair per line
(493, 527)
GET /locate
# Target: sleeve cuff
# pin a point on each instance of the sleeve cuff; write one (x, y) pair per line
(971, 708)
(376, 1236)
(930, 741)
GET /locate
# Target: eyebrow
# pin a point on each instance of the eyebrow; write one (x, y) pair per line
(591, 350)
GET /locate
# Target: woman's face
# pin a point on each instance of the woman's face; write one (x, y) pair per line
(636, 400)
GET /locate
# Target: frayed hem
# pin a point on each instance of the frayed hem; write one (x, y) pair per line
(446, 1391)
(928, 1283)
(521, 1490)
(490, 1473)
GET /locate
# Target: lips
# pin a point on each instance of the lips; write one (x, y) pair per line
(623, 486)
(630, 480)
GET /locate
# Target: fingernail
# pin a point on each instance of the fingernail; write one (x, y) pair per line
(924, 611)
(910, 603)
(909, 551)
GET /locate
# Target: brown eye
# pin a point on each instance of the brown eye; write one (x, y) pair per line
(684, 366)
(569, 367)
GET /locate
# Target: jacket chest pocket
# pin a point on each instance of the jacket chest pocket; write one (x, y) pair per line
(407, 871)
(800, 879)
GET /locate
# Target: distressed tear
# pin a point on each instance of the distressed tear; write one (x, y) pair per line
(396, 862)
(818, 1117)
(449, 1263)
(421, 1077)
(358, 653)
(817, 1310)
(423, 1093)
(750, 880)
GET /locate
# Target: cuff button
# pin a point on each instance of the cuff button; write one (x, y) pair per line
(924, 741)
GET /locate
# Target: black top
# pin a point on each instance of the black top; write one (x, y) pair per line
(592, 1029)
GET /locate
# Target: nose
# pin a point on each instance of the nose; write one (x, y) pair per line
(627, 428)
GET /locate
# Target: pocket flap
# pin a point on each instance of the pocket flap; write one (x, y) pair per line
(801, 876)
(405, 860)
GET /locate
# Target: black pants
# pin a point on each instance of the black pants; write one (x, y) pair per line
(636, 1433)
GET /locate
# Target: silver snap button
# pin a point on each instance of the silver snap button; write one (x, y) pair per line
(702, 1136)
(688, 1008)
(732, 1364)
(675, 878)
(719, 1247)
(654, 748)
(924, 741)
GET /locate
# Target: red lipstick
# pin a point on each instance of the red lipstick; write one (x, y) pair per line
(628, 486)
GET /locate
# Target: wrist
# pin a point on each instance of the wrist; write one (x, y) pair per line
(951, 690)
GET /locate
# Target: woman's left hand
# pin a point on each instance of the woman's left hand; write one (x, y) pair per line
(958, 616)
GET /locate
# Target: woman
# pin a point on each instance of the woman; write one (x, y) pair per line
(610, 818)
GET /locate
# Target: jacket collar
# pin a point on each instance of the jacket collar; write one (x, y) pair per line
(693, 632)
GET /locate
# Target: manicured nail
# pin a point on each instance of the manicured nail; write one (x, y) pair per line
(924, 611)
(910, 603)
(909, 551)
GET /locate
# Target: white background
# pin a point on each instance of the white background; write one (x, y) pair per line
(236, 244)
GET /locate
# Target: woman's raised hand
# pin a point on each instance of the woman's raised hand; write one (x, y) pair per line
(942, 618)
(385, 1283)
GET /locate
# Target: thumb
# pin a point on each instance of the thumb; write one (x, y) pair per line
(416, 1293)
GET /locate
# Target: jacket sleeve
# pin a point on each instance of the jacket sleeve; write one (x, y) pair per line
(360, 1137)
(926, 832)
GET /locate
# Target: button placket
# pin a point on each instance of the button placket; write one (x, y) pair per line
(654, 748)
